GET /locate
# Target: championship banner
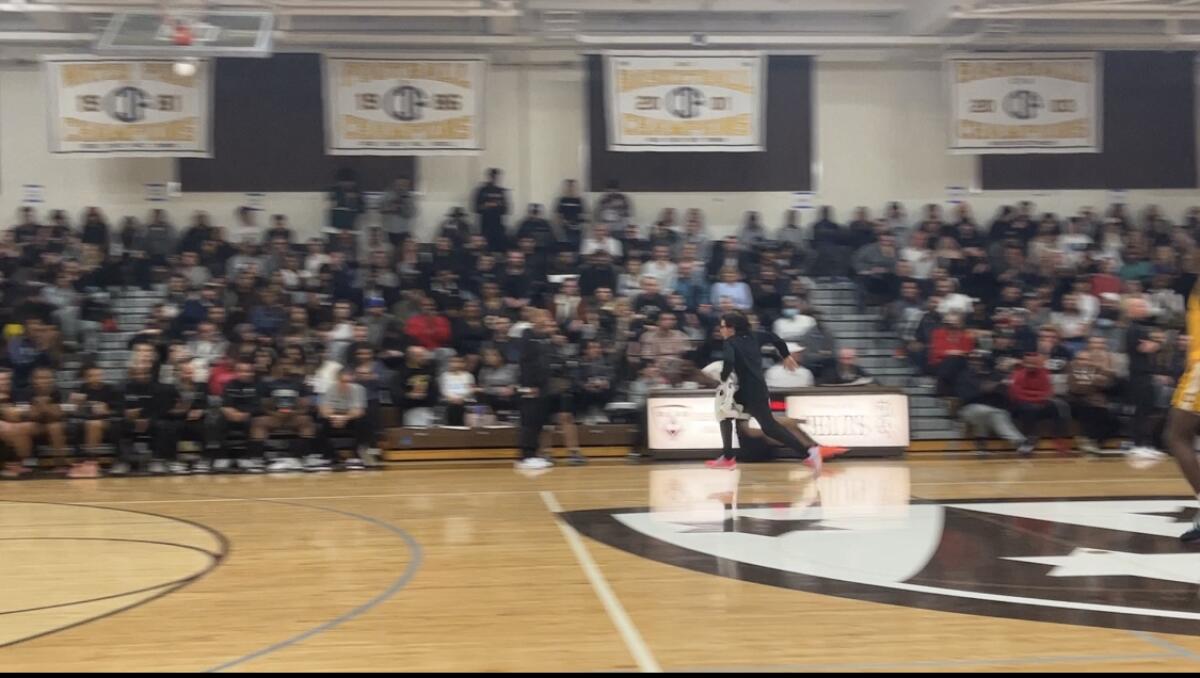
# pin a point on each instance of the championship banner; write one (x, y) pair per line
(685, 101)
(128, 108)
(404, 106)
(1025, 103)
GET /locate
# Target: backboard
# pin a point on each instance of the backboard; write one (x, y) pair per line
(214, 34)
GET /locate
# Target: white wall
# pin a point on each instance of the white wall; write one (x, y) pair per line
(879, 127)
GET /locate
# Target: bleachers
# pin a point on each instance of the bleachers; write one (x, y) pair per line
(930, 418)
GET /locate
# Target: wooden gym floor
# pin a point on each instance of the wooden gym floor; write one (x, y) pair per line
(455, 566)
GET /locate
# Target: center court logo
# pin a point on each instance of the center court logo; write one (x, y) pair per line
(1093, 562)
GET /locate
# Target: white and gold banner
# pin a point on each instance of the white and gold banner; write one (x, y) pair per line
(404, 106)
(128, 107)
(685, 101)
(1025, 103)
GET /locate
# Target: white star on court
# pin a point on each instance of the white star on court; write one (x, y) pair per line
(1179, 567)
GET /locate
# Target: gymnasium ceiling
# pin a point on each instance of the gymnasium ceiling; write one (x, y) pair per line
(928, 27)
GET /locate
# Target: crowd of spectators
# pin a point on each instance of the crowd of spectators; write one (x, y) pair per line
(258, 334)
(1071, 325)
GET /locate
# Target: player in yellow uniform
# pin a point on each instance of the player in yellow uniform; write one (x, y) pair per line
(1183, 421)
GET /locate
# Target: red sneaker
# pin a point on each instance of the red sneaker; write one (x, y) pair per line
(721, 464)
(831, 451)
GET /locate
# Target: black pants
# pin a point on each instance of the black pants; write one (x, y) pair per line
(169, 432)
(495, 234)
(758, 405)
(355, 430)
(586, 400)
(455, 414)
(1029, 414)
(1147, 418)
(535, 412)
(1095, 421)
(235, 440)
(947, 373)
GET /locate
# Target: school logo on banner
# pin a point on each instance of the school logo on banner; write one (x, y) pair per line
(405, 106)
(685, 101)
(1025, 103)
(128, 107)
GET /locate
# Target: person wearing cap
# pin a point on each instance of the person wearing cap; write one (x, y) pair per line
(778, 376)
(983, 403)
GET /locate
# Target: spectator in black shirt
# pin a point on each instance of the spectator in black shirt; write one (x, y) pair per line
(241, 403)
(517, 283)
(469, 333)
(182, 406)
(633, 244)
(138, 411)
(1142, 345)
(414, 388)
(94, 409)
(346, 201)
(94, 230)
(570, 209)
(41, 405)
(651, 301)
(535, 374)
(598, 272)
(491, 204)
(535, 226)
(287, 405)
(279, 229)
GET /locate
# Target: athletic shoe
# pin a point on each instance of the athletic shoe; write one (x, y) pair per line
(157, 467)
(222, 466)
(533, 464)
(285, 465)
(371, 456)
(831, 451)
(201, 467)
(316, 462)
(354, 464)
(1192, 536)
(178, 468)
(1089, 446)
(119, 468)
(577, 458)
(815, 461)
(721, 464)
(1025, 449)
(1143, 452)
(250, 465)
(77, 470)
(11, 470)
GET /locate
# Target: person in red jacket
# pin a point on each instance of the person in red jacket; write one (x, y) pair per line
(949, 346)
(428, 329)
(1032, 396)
